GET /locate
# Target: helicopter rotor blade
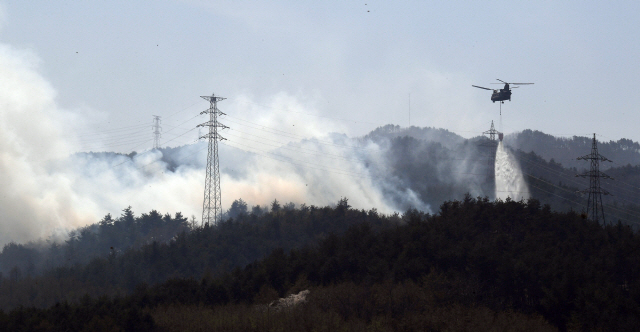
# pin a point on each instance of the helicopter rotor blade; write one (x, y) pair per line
(479, 87)
(501, 81)
(512, 83)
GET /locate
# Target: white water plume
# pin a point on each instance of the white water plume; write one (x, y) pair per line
(509, 179)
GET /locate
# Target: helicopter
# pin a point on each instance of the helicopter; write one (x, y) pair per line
(501, 94)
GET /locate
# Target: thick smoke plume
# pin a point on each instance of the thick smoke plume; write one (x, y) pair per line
(35, 199)
(47, 187)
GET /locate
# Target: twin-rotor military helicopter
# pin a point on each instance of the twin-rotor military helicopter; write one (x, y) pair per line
(501, 94)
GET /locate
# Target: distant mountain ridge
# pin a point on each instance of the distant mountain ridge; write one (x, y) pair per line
(562, 150)
(424, 166)
(430, 134)
(426, 157)
(566, 150)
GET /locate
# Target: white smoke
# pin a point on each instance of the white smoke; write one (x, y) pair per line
(283, 149)
(46, 187)
(113, 182)
(318, 171)
(34, 199)
(509, 179)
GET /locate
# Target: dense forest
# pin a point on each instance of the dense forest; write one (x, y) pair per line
(475, 264)
(190, 253)
(106, 238)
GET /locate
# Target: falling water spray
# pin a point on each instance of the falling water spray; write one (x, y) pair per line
(509, 179)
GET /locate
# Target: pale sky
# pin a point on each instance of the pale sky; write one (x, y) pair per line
(359, 64)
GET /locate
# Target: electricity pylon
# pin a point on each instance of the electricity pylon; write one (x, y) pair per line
(156, 131)
(492, 136)
(594, 204)
(492, 144)
(211, 210)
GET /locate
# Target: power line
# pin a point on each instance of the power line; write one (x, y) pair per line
(294, 148)
(108, 131)
(297, 162)
(314, 115)
(282, 133)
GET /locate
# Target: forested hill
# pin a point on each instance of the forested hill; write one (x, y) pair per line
(565, 150)
(562, 150)
(429, 134)
(423, 167)
(474, 265)
(119, 253)
(110, 236)
(439, 165)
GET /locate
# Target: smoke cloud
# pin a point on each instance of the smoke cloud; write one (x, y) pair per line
(47, 188)
(35, 200)
(278, 149)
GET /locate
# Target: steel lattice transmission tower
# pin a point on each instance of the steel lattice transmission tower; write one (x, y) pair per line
(492, 132)
(211, 210)
(594, 205)
(156, 131)
(492, 144)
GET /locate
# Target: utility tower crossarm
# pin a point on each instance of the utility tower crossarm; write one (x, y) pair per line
(491, 132)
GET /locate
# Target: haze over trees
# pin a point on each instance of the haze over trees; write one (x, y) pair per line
(565, 150)
(439, 165)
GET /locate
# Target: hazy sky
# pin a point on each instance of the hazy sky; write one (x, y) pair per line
(359, 64)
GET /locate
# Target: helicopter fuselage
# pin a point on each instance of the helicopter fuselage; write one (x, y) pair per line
(501, 95)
